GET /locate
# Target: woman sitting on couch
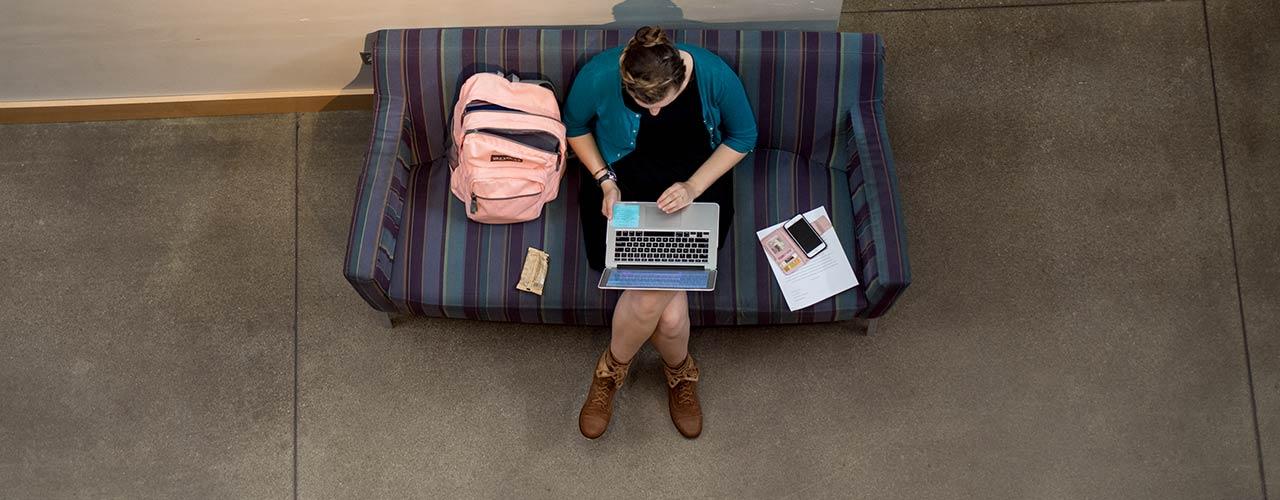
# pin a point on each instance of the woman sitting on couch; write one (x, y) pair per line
(660, 122)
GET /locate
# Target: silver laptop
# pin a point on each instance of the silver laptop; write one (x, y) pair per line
(648, 249)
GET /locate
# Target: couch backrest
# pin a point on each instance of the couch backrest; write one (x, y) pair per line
(801, 85)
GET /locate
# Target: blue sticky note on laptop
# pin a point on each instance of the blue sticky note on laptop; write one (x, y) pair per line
(626, 215)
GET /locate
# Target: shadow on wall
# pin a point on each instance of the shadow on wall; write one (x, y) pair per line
(633, 14)
(641, 12)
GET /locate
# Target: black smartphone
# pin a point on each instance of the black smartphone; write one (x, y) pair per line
(804, 235)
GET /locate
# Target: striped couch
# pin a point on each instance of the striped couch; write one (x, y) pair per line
(818, 98)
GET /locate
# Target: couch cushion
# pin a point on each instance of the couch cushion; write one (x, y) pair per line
(451, 267)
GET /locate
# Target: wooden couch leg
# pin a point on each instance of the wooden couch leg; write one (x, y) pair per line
(388, 319)
(866, 325)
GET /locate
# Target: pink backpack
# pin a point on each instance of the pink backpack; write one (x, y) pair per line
(509, 149)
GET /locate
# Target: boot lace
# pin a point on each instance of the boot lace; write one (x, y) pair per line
(685, 394)
(600, 395)
(682, 380)
(600, 387)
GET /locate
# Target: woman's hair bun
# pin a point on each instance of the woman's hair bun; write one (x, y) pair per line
(650, 36)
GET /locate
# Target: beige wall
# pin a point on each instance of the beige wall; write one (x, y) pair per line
(75, 49)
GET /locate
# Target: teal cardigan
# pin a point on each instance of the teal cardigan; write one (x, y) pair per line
(597, 95)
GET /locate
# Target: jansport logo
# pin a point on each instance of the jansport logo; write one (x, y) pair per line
(505, 158)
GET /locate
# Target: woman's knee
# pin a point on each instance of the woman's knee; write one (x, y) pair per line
(649, 303)
(672, 322)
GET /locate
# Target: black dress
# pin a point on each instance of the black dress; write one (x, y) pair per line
(669, 149)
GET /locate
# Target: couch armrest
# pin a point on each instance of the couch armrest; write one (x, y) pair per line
(379, 206)
(880, 235)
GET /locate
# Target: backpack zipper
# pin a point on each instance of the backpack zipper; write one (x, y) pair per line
(465, 111)
(475, 203)
(514, 131)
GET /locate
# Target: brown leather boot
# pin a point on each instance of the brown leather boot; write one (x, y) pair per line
(598, 409)
(682, 397)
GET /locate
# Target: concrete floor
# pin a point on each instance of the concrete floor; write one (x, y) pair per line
(1091, 190)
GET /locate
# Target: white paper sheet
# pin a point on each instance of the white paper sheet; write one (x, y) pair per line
(823, 276)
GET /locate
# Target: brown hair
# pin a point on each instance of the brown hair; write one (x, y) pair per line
(651, 65)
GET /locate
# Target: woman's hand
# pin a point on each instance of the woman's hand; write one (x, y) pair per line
(611, 195)
(678, 196)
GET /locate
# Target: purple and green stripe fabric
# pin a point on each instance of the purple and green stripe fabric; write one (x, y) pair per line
(818, 99)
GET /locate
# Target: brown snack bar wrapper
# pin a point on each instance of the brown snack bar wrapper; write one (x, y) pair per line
(534, 274)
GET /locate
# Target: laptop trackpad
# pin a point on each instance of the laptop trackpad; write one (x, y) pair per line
(658, 279)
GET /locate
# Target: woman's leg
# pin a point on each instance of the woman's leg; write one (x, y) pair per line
(672, 340)
(635, 318)
(671, 337)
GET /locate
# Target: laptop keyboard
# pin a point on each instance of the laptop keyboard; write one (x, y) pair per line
(661, 247)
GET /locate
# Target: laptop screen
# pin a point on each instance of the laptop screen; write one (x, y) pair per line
(658, 278)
